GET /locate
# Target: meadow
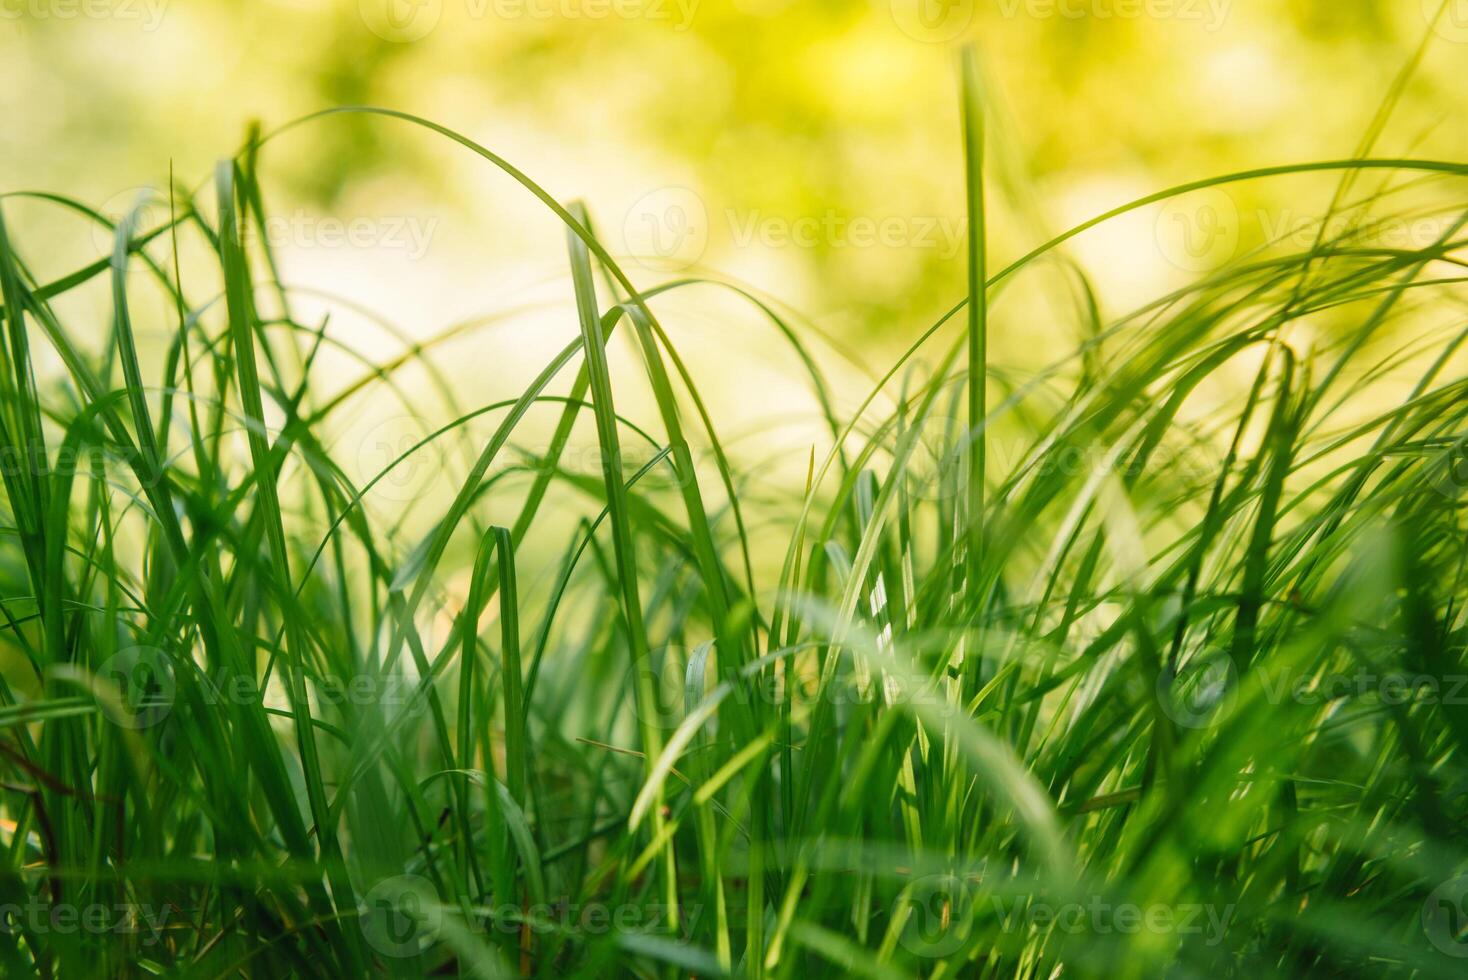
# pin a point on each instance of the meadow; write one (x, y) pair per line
(1147, 662)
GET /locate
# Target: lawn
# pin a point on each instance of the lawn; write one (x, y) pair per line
(1148, 662)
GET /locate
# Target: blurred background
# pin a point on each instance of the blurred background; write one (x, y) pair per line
(806, 148)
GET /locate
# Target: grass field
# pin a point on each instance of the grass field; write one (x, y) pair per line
(1150, 662)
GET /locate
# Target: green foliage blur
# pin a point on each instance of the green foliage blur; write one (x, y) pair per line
(788, 119)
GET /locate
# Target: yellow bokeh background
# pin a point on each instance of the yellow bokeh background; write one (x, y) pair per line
(808, 149)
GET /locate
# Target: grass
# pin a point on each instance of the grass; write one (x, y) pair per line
(1127, 680)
